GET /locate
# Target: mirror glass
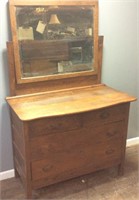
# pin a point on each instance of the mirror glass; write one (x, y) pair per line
(55, 39)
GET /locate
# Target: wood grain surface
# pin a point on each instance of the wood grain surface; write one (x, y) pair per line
(66, 102)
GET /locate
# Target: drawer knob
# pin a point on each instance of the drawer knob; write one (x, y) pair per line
(52, 126)
(104, 115)
(110, 134)
(56, 126)
(46, 168)
(109, 151)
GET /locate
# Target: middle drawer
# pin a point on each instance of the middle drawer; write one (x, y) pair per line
(58, 144)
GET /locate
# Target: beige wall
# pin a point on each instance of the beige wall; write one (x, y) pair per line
(118, 23)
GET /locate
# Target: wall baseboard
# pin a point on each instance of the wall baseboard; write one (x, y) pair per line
(6, 174)
(132, 141)
(10, 173)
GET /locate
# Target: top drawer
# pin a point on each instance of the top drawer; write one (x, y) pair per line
(106, 115)
(77, 121)
(53, 125)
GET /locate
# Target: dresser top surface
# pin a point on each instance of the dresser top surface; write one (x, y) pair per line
(49, 104)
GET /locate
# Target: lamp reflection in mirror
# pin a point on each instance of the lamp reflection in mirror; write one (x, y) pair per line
(54, 19)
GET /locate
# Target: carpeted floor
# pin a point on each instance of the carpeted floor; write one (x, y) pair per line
(102, 185)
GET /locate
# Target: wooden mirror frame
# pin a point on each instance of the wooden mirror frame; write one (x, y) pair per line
(12, 7)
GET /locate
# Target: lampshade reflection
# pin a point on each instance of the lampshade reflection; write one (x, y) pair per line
(54, 19)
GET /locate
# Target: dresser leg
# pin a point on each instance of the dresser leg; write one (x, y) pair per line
(121, 169)
(28, 193)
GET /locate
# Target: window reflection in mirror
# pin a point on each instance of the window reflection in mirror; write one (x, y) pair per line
(55, 39)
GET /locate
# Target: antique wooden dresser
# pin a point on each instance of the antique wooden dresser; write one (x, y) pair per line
(65, 122)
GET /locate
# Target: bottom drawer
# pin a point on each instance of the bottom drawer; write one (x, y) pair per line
(78, 152)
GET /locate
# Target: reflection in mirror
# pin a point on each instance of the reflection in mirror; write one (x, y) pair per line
(55, 39)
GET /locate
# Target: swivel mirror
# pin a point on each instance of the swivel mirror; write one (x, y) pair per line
(54, 39)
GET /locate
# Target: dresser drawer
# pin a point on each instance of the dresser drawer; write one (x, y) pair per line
(55, 145)
(106, 115)
(76, 121)
(53, 125)
(54, 155)
(81, 161)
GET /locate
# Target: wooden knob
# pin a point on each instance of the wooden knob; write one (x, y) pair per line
(104, 115)
(112, 133)
(47, 167)
(109, 151)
